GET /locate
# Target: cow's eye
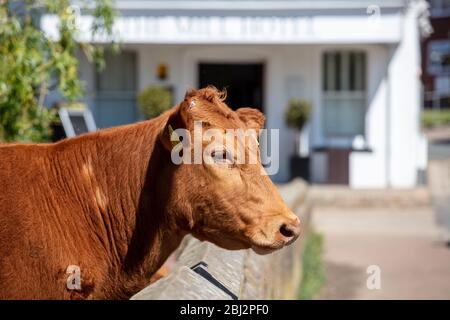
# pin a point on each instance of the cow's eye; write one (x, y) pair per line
(222, 157)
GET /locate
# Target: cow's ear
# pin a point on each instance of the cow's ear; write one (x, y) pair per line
(178, 119)
(253, 118)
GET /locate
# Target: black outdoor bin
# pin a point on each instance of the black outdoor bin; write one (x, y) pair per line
(299, 167)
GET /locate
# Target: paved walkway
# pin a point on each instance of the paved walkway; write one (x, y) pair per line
(409, 244)
(439, 175)
(405, 243)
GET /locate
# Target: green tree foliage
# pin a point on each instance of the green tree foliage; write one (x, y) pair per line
(31, 63)
(154, 100)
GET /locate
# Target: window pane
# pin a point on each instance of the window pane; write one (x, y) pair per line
(325, 67)
(446, 4)
(344, 117)
(352, 68)
(345, 71)
(119, 74)
(338, 70)
(360, 72)
(438, 57)
(344, 101)
(331, 73)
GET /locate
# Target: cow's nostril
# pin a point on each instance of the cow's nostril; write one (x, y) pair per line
(286, 231)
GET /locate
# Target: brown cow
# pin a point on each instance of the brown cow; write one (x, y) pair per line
(115, 205)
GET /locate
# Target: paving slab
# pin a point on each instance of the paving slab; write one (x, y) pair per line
(406, 245)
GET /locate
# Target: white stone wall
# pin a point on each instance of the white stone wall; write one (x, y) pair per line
(404, 152)
(369, 169)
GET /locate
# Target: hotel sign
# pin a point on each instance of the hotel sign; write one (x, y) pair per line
(241, 29)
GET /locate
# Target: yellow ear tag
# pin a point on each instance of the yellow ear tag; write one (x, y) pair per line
(174, 142)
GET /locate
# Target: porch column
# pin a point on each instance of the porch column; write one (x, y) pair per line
(404, 103)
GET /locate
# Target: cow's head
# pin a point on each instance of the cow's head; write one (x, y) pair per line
(223, 199)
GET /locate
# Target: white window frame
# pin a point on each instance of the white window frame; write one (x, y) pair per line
(340, 94)
(66, 113)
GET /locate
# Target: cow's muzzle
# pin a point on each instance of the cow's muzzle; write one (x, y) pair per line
(289, 231)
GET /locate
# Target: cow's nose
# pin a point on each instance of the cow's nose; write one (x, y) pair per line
(290, 230)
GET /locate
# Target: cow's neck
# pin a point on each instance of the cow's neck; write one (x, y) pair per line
(135, 189)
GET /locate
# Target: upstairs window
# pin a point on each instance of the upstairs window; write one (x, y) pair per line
(438, 57)
(440, 8)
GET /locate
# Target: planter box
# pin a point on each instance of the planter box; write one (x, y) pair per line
(299, 167)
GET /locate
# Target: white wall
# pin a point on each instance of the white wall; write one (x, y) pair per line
(149, 57)
(404, 103)
(369, 169)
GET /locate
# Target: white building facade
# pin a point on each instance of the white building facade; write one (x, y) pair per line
(356, 62)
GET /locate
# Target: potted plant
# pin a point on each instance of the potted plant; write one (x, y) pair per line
(297, 116)
(154, 100)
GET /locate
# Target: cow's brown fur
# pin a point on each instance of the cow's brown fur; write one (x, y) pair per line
(113, 203)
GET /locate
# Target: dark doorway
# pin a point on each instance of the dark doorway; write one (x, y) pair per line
(243, 82)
